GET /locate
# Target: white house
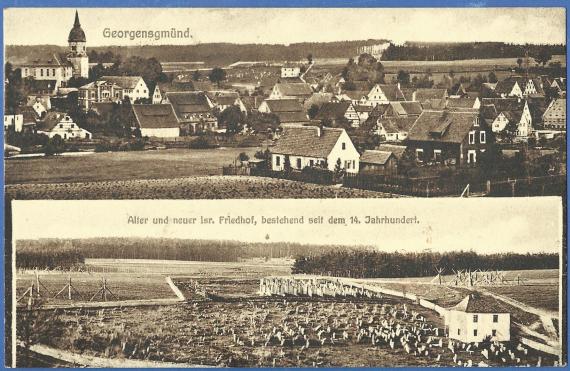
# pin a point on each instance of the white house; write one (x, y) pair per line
(133, 87)
(478, 317)
(290, 70)
(384, 94)
(298, 90)
(156, 95)
(337, 111)
(555, 115)
(522, 117)
(313, 146)
(16, 121)
(67, 129)
(156, 120)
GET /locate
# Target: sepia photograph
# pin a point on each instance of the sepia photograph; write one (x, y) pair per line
(100, 104)
(95, 289)
(285, 187)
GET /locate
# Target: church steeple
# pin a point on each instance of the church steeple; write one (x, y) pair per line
(76, 34)
(77, 54)
(76, 23)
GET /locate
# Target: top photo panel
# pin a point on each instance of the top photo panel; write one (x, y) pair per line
(191, 103)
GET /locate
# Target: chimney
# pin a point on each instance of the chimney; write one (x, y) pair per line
(319, 130)
(398, 85)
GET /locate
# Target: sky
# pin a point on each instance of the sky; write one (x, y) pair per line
(30, 26)
(484, 225)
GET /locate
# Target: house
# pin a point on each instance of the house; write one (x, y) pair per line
(384, 94)
(65, 128)
(30, 118)
(457, 91)
(97, 92)
(424, 95)
(193, 111)
(156, 95)
(290, 70)
(509, 88)
(133, 87)
(511, 110)
(478, 317)
(156, 120)
(374, 162)
(397, 150)
(297, 90)
(463, 103)
(363, 111)
(289, 111)
(357, 97)
(225, 99)
(555, 115)
(15, 121)
(40, 104)
(403, 109)
(559, 84)
(303, 146)
(452, 137)
(394, 129)
(317, 99)
(336, 112)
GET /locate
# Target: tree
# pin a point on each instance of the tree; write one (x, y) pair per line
(54, 146)
(243, 157)
(403, 78)
(543, 56)
(312, 111)
(232, 119)
(519, 62)
(492, 78)
(217, 75)
(287, 165)
(196, 75)
(338, 170)
(509, 133)
(310, 58)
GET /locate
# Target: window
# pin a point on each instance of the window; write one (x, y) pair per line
(482, 137)
(474, 332)
(277, 161)
(475, 318)
(476, 121)
(493, 333)
(41, 71)
(458, 331)
(495, 318)
(73, 126)
(311, 163)
(298, 163)
(471, 137)
(343, 145)
(347, 164)
(61, 126)
(437, 155)
(420, 154)
(53, 72)
(471, 157)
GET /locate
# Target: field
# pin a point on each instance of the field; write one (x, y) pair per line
(111, 166)
(212, 187)
(226, 323)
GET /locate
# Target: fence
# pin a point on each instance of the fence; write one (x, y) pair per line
(554, 185)
(307, 175)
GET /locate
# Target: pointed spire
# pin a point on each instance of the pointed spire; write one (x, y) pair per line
(76, 23)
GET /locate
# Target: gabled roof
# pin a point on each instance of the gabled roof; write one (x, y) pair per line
(427, 94)
(125, 82)
(318, 99)
(284, 105)
(408, 93)
(308, 141)
(397, 124)
(461, 102)
(375, 157)
(291, 117)
(392, 92)
(29, 115)
(478, 303)
(442, 126)
(406, 108)
(102, 108)
(506, 86)
(51, 119)
(155, 116)
(188, 102)
(397, 150)
(504, 104)
(355, 94)
(333, 110)
(294, 89)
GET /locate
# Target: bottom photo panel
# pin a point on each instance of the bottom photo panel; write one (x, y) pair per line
(286, 283)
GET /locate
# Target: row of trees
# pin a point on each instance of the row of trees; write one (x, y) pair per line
(371, 264)
(542, 53)
(42, 250)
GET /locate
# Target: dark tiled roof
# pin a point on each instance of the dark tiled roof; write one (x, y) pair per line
(306, 141)
(284, 105)
(411, 108)
(188, 102)
(355, 94)
(375, 157)
(291, 117)
(461, 102)
(295, 89)
(506, 86)
(155, 116)
(478, 303)
(392, 92)
(125, 82)
(442, 126)
(333, 110)
(398, 151)
(398, 124)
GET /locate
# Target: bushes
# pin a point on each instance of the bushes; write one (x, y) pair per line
(204, 142)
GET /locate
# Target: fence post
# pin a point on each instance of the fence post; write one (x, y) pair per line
(488, 190)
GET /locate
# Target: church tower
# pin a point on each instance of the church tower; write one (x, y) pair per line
(77, 54)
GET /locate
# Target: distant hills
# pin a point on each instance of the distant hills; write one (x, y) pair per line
(213, 54)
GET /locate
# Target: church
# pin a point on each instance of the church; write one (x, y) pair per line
(55, 72)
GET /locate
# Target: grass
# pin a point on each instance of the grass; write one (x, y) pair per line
(213, 187)
(543, 296)
(110, 166)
